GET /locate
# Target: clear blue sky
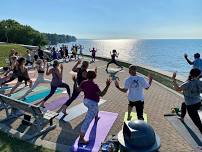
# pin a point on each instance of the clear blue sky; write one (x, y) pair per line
(109, 18)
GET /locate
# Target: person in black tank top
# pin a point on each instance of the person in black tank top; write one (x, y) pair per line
(81, 75)
(22, 74)
(113, 59)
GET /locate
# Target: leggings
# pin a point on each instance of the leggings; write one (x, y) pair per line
(92, 112)
(54, 88)
(193, 113)
(40, 79)
(75, 94)
(9, 80)
(113, 61)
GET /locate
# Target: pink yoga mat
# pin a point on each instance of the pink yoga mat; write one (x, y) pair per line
(15, 81)
(96, 133)
(56, 103)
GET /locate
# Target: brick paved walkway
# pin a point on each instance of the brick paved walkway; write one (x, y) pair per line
(158, 100)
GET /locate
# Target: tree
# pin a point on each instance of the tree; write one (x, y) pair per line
(14, 32)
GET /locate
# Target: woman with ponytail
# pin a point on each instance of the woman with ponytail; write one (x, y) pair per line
(191, 90)
(56, 81)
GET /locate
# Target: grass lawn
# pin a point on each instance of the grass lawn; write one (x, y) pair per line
(9, 144)
(5, 50)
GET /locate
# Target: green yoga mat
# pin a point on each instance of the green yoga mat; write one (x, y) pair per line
(23, 91)
(40, 95)
(134, 116)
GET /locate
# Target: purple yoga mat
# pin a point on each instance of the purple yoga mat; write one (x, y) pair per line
(56, 103)
(96, 133)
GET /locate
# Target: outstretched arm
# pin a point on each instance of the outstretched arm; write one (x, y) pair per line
(48, 72)
(176, 86)
(150, 80)
(189, 61)
(118, 87)
(74, 69)
(102, 93)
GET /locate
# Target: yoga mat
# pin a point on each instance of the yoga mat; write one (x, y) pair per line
(96, 133)
(114, 70)
(76, 111)
(5, 88)
(134, 116)
(15, 81)
(187, 130)
(40, 95)
(56, 103)
(23, 91)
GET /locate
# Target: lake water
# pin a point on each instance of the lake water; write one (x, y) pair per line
(164, 55)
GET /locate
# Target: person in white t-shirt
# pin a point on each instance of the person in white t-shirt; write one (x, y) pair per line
(135, 86)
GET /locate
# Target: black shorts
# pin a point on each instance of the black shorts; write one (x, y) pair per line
(22, 78)
(134, 103)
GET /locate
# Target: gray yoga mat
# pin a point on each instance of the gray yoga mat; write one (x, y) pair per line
(76, 111)
(187, 130)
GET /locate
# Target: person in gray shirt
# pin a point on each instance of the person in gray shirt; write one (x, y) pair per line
(197, 63)
(191, 90)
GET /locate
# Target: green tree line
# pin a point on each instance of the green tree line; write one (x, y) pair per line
(13, 32)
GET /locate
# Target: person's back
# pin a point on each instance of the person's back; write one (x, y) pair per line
(191, 91)
(56, 80)
(80, 77)
(136, 85)
(113, 56)
(197, 63)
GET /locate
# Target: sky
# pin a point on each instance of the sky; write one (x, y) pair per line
(109, 19)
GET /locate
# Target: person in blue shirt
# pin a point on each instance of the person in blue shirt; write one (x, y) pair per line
(191, 90)
(197, 63)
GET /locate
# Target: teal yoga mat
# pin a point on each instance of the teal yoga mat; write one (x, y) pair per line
(40, 95)
(5, 88)
(23, 91)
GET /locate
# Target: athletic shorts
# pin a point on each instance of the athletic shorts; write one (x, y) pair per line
(133, 103)
(21, 78)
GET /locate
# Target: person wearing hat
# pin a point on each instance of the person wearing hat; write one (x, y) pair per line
(197, 63)
(138, 136)
(135, 86)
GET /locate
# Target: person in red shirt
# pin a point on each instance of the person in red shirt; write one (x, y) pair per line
(92, 95)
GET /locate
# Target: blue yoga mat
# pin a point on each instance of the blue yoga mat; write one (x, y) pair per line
(23, 91)
(5, 88)
(40, 95)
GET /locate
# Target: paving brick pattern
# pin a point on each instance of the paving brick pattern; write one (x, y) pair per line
(158, 100)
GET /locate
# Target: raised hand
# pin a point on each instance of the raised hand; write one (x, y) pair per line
(185, 55)
(116, 82)
(174, 75)
(150, 76)
(108, 82)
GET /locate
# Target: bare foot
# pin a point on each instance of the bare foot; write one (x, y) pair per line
(97, 118)
(83, 141)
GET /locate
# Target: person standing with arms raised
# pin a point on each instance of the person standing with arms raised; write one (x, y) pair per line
(191, 90)
(81, 76)
(56, 81)
(135, 85)
(197, 63)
